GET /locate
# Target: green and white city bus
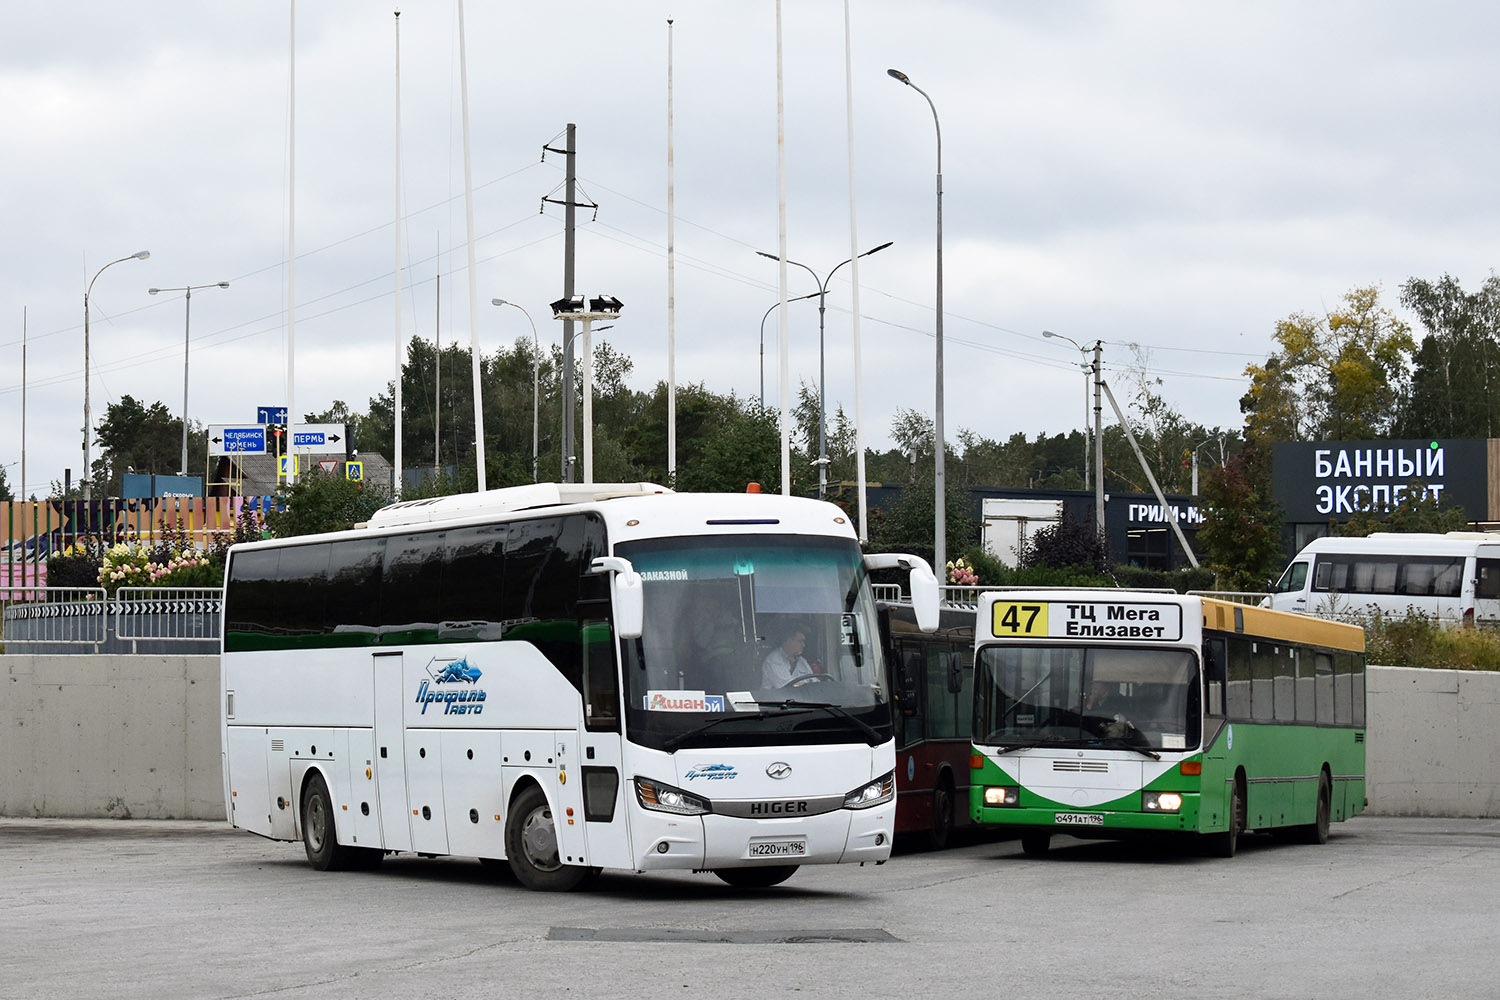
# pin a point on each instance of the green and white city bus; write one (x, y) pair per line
(1107, 713)
(567, 677)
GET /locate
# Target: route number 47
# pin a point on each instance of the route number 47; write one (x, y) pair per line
(1010, 619)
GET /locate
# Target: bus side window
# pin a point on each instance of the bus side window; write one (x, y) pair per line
(911, 691)
(1215, 660)
(1323, 687)
(1488, 586)
(942, 716)
(601, 684)
(1237, 696)
(1262, 681)
(1343, 689)
(1307, 685)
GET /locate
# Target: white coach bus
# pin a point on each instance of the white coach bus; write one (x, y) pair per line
(570, 678)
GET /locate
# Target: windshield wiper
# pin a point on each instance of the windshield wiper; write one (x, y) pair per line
(870, 731)
(1121, 743)
(683, 737)
(1023, 743)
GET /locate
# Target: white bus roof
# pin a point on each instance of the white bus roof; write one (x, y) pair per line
(1396, 543)
(509, 498)
(633, 511)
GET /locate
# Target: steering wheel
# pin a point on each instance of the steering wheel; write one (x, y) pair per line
(807, 680)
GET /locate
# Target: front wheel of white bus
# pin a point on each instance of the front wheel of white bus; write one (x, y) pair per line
(756, 878)
(531, 846)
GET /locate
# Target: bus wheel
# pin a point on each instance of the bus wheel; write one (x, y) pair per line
(756, 878)
(1223, 845)
(1036, 843)
(942, 817)
(531, 845)
(319, 835)
(1316, 832)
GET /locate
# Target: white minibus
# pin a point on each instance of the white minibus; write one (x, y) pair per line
(1454, 576)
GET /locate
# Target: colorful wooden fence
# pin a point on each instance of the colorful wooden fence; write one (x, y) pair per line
(32, 532)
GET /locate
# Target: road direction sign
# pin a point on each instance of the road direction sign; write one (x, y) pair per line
(236, 439)
(271, 414)
(323, 438)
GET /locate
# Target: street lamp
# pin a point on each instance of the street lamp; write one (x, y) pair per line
(88, 491)
(186, 326)
(809, 295)
(940, 546)
(1085, 365)
(822, 404)
(568, 309)
(536, 379)
(1219, 438)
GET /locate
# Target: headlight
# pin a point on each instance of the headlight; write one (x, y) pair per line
(882, 789)
(1166, 802)
(1002, 795)
(664, 798)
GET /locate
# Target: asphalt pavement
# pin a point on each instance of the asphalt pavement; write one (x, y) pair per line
(1388, 908)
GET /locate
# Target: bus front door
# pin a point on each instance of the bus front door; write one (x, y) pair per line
(390, 751)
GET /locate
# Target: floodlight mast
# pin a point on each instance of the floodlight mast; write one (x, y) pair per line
(569, 309)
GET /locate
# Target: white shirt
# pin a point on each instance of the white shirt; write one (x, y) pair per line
(778, 669)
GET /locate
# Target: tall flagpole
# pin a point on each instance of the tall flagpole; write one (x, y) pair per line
(291, 261)
(783, 315)
(463, 74)
(21, 491)
(671, 282)
(859, 398)
(399, 478)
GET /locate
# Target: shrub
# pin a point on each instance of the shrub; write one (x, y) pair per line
(1418, 640)
(77, 565)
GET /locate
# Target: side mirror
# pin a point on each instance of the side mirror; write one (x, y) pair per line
(628, 596)
(924, 586)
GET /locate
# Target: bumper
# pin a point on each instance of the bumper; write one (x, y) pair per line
(664, 842)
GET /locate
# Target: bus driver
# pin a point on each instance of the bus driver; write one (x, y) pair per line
(785, 663)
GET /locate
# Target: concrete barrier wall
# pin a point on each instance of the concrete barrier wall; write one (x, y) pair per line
(123, 736)
(1433, 743)
(138, 736)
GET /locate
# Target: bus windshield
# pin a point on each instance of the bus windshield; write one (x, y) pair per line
(1083, 696)
(754, 641)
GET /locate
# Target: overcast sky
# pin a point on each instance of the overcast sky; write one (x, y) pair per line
(1176, 175)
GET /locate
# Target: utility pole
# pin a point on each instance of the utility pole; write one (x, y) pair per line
(569, 203)
(1098, 437)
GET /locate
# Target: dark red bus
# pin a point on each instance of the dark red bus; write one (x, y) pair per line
(933, 682)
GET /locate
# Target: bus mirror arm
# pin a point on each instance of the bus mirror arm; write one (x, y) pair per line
(924, 586)
(629, 603)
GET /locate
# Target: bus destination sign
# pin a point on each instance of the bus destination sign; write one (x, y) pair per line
(1086, 620)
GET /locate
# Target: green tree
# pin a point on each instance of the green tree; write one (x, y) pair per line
(321, 501)
(1455, 387)
(1070, 543)
(1240, 536)
(909, 525)
(723, 442)
(1417, 510)
(140, 438)
(5, 493)
(1342, 374)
